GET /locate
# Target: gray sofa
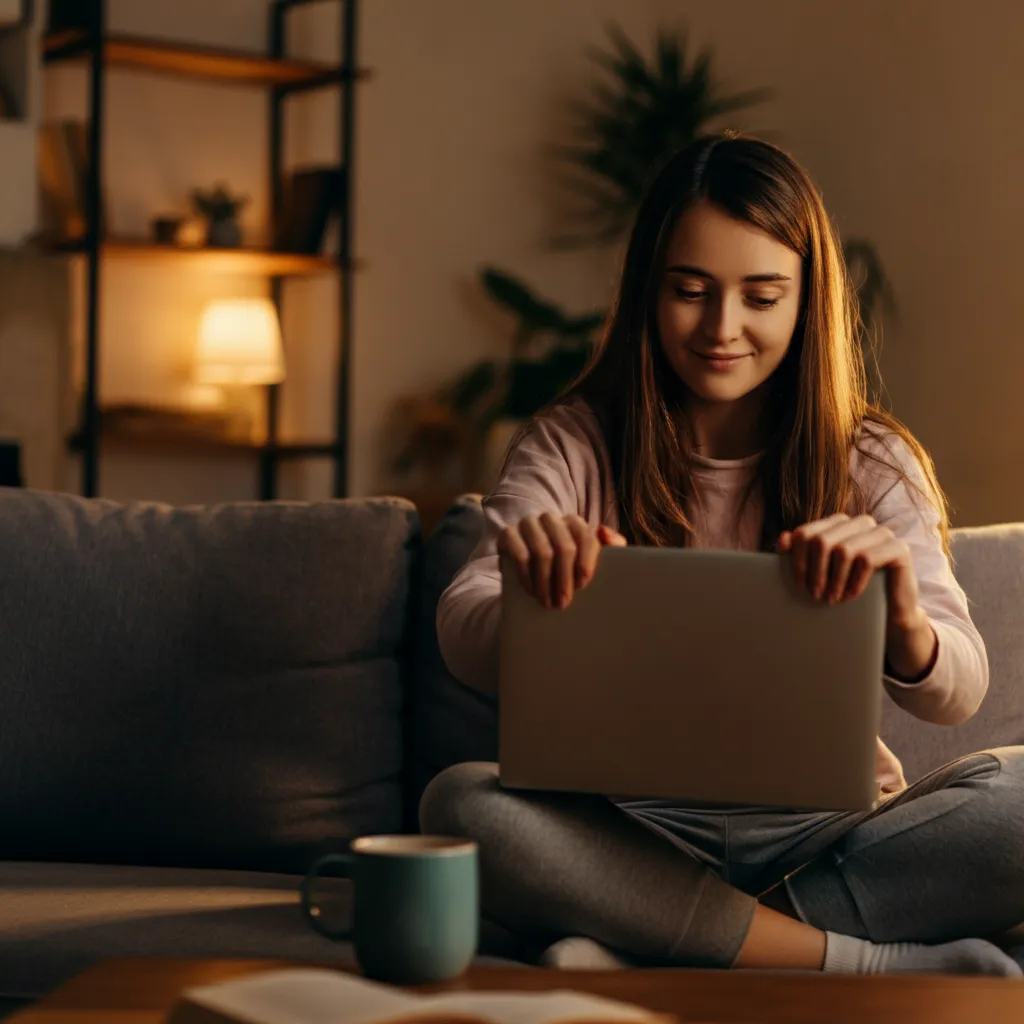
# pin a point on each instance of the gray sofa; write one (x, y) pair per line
(197, 702)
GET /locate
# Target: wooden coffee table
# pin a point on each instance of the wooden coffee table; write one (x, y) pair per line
(142, 991)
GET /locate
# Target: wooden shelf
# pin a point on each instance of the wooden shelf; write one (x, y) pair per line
(115, 441)
(212, 63)
(224, 261)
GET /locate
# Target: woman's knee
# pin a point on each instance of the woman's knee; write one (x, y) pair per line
(1011, 764)
(1001, 780)
(455, 800)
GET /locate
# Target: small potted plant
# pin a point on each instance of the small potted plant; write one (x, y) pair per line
(220, 209)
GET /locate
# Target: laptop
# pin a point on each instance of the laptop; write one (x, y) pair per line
(704, 677)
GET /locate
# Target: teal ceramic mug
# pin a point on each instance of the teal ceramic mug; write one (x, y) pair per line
(415, 905)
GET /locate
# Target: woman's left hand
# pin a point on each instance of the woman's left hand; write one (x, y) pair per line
(834, 559)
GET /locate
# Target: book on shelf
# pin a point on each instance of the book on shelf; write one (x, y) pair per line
(313, 197)
(320, 996)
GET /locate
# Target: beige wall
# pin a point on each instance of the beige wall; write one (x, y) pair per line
(903, 109)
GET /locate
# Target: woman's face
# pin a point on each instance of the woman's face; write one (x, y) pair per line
(728, 304)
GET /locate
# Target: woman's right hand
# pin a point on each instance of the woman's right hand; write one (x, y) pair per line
(554, 555)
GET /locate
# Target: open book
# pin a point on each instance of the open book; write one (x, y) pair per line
(313, 996)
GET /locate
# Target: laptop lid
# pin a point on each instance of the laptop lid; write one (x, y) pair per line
(707, 677)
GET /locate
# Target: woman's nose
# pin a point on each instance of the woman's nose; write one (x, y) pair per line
(723, 319)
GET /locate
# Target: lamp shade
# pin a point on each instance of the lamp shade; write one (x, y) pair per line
(239, 343)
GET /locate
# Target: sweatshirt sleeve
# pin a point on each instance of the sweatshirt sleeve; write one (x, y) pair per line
(552, 469)
(953, 689)
(558, 467)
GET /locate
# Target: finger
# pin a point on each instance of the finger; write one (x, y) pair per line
(860, 576)
(840, 565)
(511, 543)
(802, 539)
(828, 560)
(563, 568)
(541, 556)
(611, 538)
(587, 549)
(843, 542)
(785, 542)
(884, 550)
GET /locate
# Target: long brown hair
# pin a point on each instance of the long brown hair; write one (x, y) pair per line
(819, 394)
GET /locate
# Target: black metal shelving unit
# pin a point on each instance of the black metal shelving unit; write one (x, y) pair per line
(283, 76)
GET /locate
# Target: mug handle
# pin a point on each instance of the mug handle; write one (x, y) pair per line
(343, 863)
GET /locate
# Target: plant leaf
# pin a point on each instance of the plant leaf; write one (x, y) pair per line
(509, 292)
(637, 114)
(470, 386)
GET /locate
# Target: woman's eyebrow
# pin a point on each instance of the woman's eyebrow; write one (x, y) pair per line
(685, 268)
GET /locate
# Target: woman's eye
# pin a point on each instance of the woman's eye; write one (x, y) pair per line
(690, 296)
(761, 303)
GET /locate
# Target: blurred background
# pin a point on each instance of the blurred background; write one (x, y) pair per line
(343, 248)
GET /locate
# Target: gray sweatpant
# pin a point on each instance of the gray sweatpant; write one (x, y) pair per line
(666, 885)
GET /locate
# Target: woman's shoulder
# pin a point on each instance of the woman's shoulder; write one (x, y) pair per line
(574, 427)
(883, 463)
(566, 439)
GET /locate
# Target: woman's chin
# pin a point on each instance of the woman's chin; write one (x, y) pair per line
(719, 390)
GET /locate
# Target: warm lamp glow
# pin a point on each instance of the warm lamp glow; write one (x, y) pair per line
(239, 343)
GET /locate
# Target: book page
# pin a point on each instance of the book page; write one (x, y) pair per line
(532, 1007)
(318, 996)
(302, 996)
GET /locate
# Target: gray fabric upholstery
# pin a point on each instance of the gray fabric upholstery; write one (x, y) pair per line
(452, 722)
(989, 564)
(217, 687)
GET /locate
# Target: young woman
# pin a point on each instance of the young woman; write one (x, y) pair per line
(726, 407)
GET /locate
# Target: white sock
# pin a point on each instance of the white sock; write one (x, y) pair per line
(967, 956)
(578, 954)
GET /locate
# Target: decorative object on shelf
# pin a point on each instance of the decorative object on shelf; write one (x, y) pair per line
(313, 197)
(192, 232)
(220, 209)
(238, 348)
(166, 230)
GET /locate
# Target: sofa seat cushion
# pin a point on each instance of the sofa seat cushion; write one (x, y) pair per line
(58, 919)
(201, 687)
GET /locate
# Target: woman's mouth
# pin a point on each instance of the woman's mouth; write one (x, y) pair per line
(719, 362)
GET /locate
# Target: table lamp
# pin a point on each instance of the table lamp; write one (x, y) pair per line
(238, 348)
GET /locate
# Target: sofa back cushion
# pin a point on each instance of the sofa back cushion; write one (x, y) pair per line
(456, 724)
(989, 565)
(214, 687)
(453, 723)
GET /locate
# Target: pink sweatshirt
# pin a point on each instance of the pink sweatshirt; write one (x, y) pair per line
(562, 467)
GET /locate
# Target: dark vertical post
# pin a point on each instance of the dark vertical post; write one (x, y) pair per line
(93, 253)
(349, 26)
(268, 457)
